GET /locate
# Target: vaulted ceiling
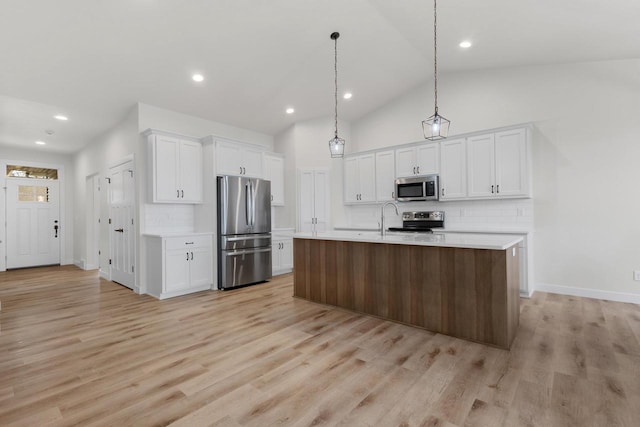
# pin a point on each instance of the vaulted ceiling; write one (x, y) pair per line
(92, 61)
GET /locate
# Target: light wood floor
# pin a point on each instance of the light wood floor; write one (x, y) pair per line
(76, 350)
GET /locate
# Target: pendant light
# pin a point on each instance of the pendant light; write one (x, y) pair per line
(436, 126)
(336, 144)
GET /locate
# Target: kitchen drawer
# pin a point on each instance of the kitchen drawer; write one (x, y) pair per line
(188, 242)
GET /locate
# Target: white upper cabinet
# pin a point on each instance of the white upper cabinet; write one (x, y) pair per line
(176, 169)
(481, 166)
(234, 158)
(512, 163)
(385, 175)
(360, 179)
(453, 169)
(428, 158)
(418, 160)
(274, 172)
(498, 165)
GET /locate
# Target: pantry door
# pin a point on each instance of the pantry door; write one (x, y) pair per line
(121, 206)
(33, 222)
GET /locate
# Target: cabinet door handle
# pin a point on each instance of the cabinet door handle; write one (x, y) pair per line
(187, 256)
(414, 170)
(393, 194)
(492, 189)
(498, 188)
(240, 170)
(443, 191)
(178, 195)
(191, 256)
(418, 169)
(182, 193)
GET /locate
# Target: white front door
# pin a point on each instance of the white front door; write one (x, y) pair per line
(122, 229)
(33, 222)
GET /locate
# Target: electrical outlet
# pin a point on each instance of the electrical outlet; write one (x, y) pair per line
(636, 275)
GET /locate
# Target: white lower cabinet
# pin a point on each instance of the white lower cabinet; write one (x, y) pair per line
(282, 255)
(178, 265)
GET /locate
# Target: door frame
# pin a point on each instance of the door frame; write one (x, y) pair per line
(62, 207)
(92, 222)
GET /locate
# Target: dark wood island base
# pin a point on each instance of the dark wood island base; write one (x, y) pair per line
(466, 293)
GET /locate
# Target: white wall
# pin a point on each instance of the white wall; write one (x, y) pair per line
(97, 157)
(586, 204)
(162, 119)
(40, 157)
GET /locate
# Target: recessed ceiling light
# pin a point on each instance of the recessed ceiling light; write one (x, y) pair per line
(40, 142)
(197, 77)
(290, 110)
(465, 44)
(348, 95)
(61, 117)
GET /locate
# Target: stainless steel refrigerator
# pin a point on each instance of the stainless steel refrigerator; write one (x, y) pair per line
(244, 231)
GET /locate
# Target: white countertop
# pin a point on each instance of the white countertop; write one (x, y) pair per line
(451, 240)
(179, 234)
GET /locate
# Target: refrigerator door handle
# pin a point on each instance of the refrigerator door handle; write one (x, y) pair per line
(253, 205)
(250, 237)
(247, 196)
(252, 251)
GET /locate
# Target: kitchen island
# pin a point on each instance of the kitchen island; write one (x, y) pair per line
(463, 285)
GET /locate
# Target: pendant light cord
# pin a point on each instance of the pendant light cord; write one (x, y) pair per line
(335, 68)
(435, 56)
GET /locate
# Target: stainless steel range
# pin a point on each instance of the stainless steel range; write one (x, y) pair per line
(423, 221)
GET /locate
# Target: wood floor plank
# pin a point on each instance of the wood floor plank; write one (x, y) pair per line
(79, 350)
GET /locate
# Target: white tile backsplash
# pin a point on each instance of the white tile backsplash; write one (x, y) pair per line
(163, 218)
(487, 215)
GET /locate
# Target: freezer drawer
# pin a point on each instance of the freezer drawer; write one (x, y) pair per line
(243, 267)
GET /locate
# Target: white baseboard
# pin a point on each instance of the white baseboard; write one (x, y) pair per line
(105, 275)
(588, 293)
(79, 264)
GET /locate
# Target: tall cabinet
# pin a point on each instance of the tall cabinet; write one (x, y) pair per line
(313, 200)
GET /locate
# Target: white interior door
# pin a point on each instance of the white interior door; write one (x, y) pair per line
(122, 229)
(33, 222)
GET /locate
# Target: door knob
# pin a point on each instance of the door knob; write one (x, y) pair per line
(119, 230)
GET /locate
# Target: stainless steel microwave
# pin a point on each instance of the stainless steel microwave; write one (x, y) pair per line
(417, 188)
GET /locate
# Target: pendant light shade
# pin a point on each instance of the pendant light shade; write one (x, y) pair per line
(435, 127)
(336, 144)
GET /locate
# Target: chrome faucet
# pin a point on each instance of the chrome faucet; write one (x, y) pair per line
(382, 215)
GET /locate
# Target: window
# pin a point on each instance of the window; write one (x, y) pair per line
(33, 193)
(15, 171)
